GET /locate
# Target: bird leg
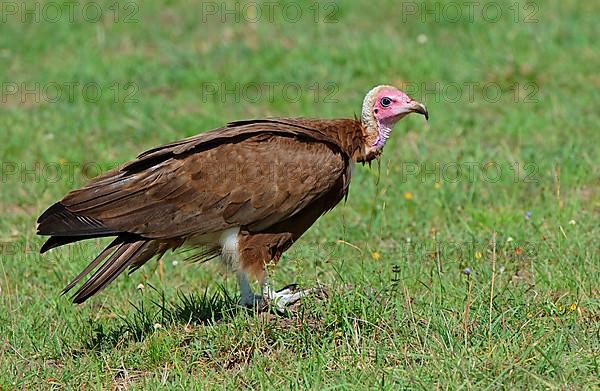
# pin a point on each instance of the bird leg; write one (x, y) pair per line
(281, 299)
(247, 296)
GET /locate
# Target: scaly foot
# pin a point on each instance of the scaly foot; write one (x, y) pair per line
(288, 295)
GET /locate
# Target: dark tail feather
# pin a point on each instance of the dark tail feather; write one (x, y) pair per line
(66, 227)
(109, 249)
(152, 249)
(128, 253)
(59, 221)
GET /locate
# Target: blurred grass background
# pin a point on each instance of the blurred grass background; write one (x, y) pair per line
(401, 311)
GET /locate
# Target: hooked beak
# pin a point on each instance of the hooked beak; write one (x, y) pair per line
(416, 107)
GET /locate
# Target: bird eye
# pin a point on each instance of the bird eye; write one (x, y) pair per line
(385, 101)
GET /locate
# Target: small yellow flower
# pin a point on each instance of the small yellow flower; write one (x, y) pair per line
(62, 161)
(438, 185)
(376, 256)
(408, 196)
(573, 307)
(338, 334)
(478, 255)
(529, 315)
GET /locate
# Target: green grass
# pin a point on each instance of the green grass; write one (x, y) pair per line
(401, 313)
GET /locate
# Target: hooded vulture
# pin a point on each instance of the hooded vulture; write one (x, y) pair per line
(245, 192)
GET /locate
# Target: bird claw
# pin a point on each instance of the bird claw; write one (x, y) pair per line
(288, 289)
(280, 300)
(288, 295)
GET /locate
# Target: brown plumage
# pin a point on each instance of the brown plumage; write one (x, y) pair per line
(246, 191)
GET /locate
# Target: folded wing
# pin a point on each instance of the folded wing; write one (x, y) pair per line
(252, 174)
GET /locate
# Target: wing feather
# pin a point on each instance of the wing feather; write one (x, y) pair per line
(253, 174)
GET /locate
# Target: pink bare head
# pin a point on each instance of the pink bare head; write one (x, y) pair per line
(383, 107)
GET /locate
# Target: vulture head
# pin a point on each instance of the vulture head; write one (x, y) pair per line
(382, 108)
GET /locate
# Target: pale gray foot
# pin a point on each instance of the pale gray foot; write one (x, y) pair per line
(287, 296)
(280, 299)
